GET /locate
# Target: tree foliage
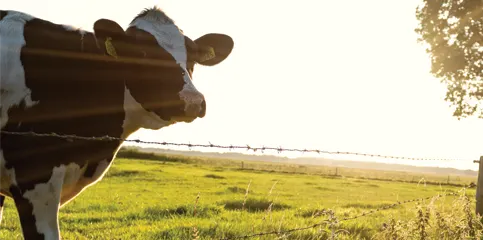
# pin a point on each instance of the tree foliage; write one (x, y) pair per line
(452, 30)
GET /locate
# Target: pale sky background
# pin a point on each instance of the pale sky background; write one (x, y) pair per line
(333, 75)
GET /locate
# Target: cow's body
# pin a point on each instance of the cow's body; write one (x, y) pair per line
(55, 79)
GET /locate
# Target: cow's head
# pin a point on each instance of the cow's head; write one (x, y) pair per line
(159, 76)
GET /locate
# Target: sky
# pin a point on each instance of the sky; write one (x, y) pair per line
(331, 75)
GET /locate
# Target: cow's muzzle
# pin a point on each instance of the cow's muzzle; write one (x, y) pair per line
(195, 110)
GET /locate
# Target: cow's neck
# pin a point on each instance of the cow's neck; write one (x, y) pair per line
(137, 117)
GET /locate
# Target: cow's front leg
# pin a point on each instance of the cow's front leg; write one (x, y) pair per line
(2, 201)
(38, 207)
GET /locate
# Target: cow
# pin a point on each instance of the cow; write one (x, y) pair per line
(56, 78)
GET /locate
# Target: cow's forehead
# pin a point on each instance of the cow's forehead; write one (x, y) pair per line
(163, 28)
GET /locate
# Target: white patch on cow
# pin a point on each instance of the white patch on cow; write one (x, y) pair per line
(73, 173)
(13, 89)
(81, 32)
(167, 34)
(7, 179)
(45, 200)
(1, 213)
(138, 117)
(74, 29)
(170, 37)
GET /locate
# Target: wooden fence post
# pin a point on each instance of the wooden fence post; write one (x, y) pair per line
(479, 188)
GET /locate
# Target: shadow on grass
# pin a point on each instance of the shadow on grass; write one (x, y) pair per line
(214, 176)
(114, 172)
(130, 153)
(126, 173)
(253, 205)
(326, 189)
(236, 189)
(327, 176)
(373, 185)
(90, 208)
(158, 213)
(81, 221)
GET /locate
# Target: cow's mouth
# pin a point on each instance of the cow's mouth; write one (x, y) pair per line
(184, 119)
(173, 118)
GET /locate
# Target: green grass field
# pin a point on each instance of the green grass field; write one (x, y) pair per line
(177, 199)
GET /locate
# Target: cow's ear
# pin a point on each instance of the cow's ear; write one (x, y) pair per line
(109, 32)
(213, 48)
(105, 28)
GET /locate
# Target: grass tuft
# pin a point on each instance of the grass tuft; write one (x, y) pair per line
(125, 173)
(157, 213)
(236, 189)
(254, 205)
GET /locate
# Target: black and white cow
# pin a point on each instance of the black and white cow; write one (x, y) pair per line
(55, 78)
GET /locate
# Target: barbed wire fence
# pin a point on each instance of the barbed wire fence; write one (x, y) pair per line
(70, 137)
(247, 147)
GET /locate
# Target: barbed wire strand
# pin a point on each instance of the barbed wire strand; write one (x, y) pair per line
(230, 147)
(398, 203)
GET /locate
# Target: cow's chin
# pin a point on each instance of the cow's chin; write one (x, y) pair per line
(138, 117)
(183, 119)
(173, 118)
(154, 122)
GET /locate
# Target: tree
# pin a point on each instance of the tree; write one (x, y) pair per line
(452, 31)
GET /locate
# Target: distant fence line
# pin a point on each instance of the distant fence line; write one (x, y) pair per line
(230, 147)
(324, 222)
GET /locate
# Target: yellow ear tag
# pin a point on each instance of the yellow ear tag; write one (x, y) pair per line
(110, 48)
(208, 55)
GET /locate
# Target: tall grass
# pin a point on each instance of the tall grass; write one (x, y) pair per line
(434, 221)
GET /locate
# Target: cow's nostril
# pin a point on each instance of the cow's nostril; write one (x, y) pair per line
(203, 109)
